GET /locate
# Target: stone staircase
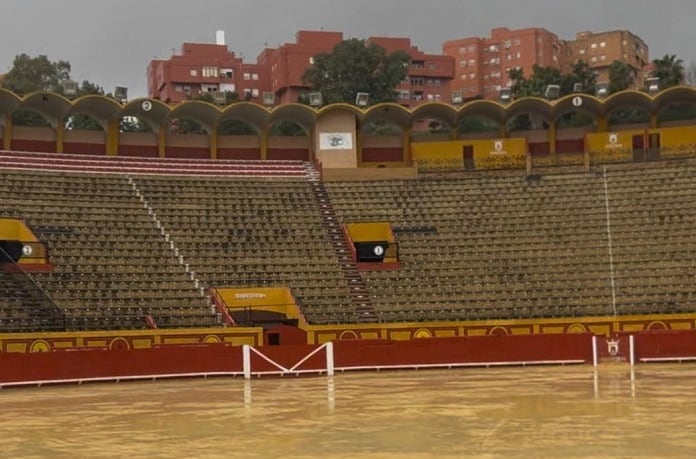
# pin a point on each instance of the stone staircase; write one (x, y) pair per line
(359, 294)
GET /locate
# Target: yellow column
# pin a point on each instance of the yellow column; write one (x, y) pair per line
(358, 144)
(60, 135)
(406, 145)
(213, 143)
(602, 123)
(312, 143)
(502, 132)
(454, 133)
(263, 139)
(7, 133)
(112, 134)
(162, 141)
(552, 139)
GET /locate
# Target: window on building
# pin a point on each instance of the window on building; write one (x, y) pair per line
(404, 94)
(210, 72)
(462, 50)
(255, 76)
(193, 72)
(178, 88)
(472, 75)
(462, 76)
(518, 55)
(247, 76)
(462, 63)
(438, 97)
(187, 89)
(247, 92)
(472, 48)
(430, 97)
(602, 57)
(603, 44)
(311, 60)
(582, 51)
(417, 81)
(593, 46)
(516, 42)
(508, 43)
(472, 62)
(593, 59)
(254, 93)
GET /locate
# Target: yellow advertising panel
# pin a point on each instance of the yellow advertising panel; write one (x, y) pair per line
(675, 141)
(611, 146)
(368, 232)
(487, 153)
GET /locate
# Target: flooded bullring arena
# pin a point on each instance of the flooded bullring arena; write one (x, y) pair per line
(556, 411)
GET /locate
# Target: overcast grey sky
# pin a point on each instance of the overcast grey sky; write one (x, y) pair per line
(111, 42)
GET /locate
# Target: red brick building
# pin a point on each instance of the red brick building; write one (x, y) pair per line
(213, 68)
(599, 50)
(482, 64)
(429, 75)
(205, 68)
(288, 62)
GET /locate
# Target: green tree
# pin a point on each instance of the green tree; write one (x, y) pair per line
(133, 124)
(582, 73)
(520, 85)
(669, 69)
(621, 76)
(29, 74)
(690, 74)
(355, 66)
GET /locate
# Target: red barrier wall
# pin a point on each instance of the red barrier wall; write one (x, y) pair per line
(239, 153)
(539, 148)
(299, 154)
(665, 344)
(479, 349)
(570, 145)
(188, 152)
(379, 154)
(44, 146)
(84, 148)
(211, 358)
(139, 151)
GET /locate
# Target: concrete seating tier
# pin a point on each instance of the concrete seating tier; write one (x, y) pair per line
(112, 265)
(500, 245)
(137, 165)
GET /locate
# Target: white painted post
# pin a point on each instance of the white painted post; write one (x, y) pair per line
(246, 356)
(329, 359)
(631, 349)
(594, 350)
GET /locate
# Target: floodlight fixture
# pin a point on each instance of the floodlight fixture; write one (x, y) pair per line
(505, 95)
(316, 99)
(552, 91)
(362, 99)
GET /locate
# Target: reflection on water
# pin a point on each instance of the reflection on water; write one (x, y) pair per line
(503, 412)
